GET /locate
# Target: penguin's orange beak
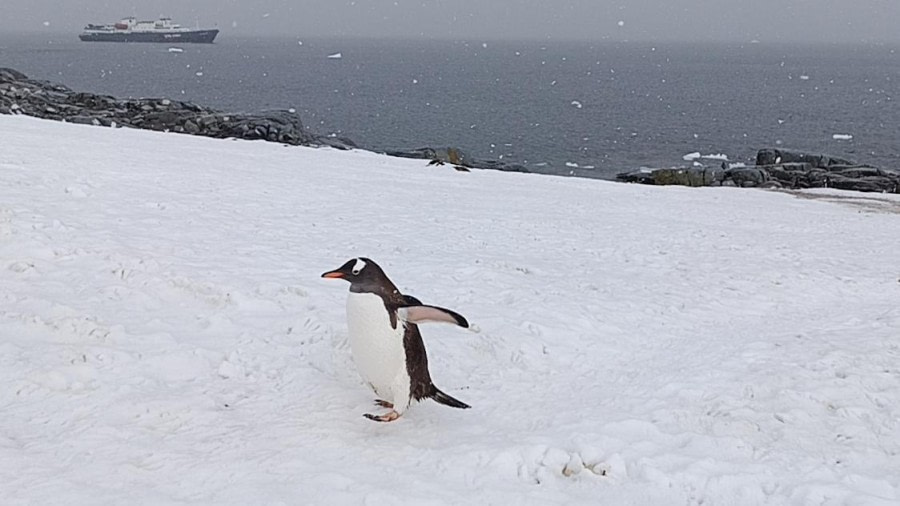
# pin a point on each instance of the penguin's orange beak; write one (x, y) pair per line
(333, 274)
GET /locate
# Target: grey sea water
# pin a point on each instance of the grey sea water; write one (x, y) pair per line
(587, 109)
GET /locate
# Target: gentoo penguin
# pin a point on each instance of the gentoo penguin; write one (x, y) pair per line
(385, 341)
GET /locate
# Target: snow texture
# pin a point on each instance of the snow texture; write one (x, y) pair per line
(165, 337)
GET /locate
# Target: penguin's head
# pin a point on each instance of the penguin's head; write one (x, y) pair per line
(358, 271)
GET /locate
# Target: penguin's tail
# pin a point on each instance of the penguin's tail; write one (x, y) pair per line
(446, 400)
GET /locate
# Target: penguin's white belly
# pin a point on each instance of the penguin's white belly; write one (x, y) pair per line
(377, 348)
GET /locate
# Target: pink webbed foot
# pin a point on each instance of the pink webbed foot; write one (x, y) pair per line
(387, 417)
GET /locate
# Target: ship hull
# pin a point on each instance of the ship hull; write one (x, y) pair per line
(195, 36)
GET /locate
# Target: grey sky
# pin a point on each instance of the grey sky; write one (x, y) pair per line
(742, 20)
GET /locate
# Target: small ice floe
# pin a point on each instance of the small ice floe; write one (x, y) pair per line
(335, 56)
(842, 137)
(577, 104)
(804, 78)
(176, 50)
(198, 74)
(621, 23)
(696, 156)
(46, 23)
(572, 165)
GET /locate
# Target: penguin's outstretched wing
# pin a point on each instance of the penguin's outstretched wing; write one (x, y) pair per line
(416, 312)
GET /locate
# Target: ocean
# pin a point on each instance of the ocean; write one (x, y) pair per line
(588, 109)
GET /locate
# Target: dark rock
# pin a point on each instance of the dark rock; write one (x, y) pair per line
(772, 156)
(747, 177)
(858, 171)
(8, 74)
(448, 155)
(863, 184)
(51, 101)
(686, 176)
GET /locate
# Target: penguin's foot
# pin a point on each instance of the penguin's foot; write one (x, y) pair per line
(388, 417)
(384, 404)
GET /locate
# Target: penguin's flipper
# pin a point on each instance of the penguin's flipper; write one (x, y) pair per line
(446, 400)
(422, 313)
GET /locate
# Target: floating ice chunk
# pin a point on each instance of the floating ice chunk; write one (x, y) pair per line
(696, 155)
(46, 23)
(176, 50)
(198, 74)
(572, 165)
(577, 104)
(842, 137)
(621, 23)
(804, 78)
(335, 56)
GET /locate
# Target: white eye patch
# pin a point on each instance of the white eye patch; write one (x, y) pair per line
(358, 266)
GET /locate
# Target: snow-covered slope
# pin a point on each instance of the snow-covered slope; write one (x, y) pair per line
(165, 337)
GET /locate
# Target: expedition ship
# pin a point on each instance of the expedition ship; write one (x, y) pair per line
(132, 30)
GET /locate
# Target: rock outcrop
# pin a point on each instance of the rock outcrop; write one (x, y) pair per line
(456, 157)
(778, 168)
(21, 95)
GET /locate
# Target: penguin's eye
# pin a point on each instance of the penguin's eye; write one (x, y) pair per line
(355, 272)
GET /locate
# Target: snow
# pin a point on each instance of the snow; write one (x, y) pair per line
(842, 137)
(165, 337)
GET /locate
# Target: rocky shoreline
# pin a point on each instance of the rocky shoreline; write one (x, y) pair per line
(776, 168)
(43, 99)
